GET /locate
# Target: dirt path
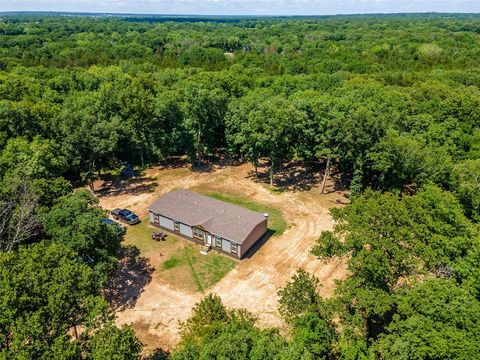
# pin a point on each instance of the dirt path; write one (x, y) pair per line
(254, 283)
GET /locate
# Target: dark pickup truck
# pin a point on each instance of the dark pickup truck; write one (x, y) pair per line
(125, 216)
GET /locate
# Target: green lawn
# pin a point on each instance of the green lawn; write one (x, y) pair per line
(140, 235)
(189, 269)
(276, 223)
(185, 267)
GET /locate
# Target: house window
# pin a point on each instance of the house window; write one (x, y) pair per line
(218, 241)
(197, 233)
(156, 219)
(226, 245)
(234, 248)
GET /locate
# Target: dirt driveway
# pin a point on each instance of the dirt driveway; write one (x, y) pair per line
(254, 282)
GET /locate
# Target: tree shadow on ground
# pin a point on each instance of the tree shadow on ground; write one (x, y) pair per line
(173, 162)
(114, 185)
(129, 280)
(293, 176)
(337, 183)
(299, 176)
(208, 164)
(215, 162)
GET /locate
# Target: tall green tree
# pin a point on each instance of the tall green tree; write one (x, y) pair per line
(466, 184)
(299, 296)
(204, 109)
(76, 221)
(111, 342)
(89, 141)
(393, 241)
(215, 332)
(46, 297)
(433, 320)
(263, 125)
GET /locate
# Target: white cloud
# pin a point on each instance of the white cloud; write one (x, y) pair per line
(222, 7)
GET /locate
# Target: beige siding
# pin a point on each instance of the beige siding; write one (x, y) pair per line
(186, 230)
(166, 222)
(254, 236)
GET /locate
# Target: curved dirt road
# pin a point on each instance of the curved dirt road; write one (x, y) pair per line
(253, 284)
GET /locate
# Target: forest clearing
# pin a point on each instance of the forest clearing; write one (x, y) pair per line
(253, 282)
(240, 187)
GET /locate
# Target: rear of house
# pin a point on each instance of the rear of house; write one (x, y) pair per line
(227, 228)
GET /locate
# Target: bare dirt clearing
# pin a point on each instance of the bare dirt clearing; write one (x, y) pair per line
(254, 282)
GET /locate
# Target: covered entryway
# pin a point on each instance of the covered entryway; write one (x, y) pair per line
(202, 235)
(211, 223)
(208, 239)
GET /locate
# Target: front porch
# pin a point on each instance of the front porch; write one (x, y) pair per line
(202, 237)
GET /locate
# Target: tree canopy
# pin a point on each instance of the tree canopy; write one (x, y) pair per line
(389, 104)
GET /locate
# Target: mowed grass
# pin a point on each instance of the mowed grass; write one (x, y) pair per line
(190, 270)
(185, 267)
(276, 223)
(140, 235)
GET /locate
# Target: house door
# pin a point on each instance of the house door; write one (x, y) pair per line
(208, 239)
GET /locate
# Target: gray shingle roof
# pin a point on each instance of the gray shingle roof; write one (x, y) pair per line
(218, 217)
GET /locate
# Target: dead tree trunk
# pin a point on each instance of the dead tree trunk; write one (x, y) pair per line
(199, 151)
(91, 175)
(19, 220)
(325, 176)
(272, 169)
(91, 186)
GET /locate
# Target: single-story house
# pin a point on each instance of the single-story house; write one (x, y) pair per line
(227, 228)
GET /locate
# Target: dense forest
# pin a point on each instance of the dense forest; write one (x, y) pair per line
(391, 103)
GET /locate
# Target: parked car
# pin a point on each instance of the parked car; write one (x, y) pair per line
(120, 227)
(126, 216)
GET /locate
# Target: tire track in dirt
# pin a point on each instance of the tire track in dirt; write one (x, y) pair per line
(160, 318)
(253, 284)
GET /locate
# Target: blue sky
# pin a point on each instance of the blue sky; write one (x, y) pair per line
(244, 7)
